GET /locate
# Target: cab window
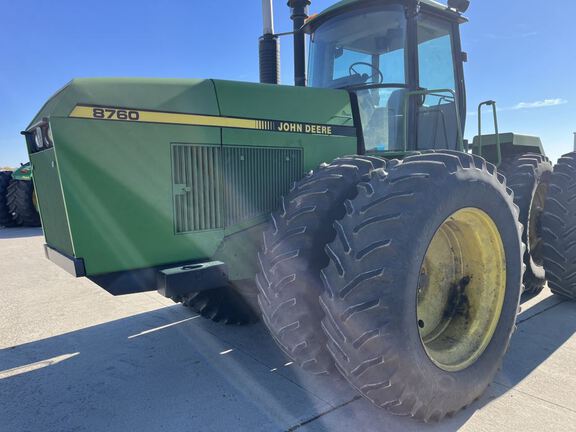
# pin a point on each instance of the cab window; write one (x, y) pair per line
(359, 48)
(437, 119)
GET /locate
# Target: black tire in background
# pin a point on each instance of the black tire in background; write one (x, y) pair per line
(293, 254)
(6, 219)
(528, 176)
(374, 282)
(559, 228)
(21, 203)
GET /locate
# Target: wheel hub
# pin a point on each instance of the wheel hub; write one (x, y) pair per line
(461, 289)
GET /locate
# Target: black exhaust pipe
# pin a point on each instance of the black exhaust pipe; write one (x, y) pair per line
(269, 47)
(299, 9)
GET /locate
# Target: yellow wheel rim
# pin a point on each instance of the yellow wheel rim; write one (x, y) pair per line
(461, 289)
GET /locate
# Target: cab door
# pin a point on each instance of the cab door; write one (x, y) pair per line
(438, 106)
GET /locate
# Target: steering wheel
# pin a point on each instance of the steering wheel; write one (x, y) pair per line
(353, 71)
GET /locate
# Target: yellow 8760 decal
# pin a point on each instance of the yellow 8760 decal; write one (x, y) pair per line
(115, 114)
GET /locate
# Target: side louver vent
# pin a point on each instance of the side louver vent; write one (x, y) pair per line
(197, 187)
(215, 187)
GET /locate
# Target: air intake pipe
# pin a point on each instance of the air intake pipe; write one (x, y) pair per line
(269, 47)
(299, 13)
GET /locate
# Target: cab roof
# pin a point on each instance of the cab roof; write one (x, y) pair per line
(345, 5)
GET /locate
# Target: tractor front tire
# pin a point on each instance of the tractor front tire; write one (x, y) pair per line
(293, 254)
(6, 219)
(528, 176)
(21, 201)
(227, 305)
(559, 228)
(423, 284)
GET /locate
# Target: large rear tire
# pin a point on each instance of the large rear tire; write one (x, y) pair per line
(6, 219)
(293, 255)
(423, 284)
(559, 228)
(21, 202)
(528, 176)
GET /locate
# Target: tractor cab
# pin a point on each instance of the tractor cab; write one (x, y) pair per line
(402, 63)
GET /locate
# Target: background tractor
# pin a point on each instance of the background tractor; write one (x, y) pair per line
(5, 216)
(18, 206)
(559, 228)
(398, 265)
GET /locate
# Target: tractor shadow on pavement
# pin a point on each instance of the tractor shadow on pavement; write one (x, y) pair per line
(172, 370)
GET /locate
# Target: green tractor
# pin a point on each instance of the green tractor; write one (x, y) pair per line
(394, 251)
(18, 206)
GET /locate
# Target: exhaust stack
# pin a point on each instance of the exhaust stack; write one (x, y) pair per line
(299, 13)
(269, 47)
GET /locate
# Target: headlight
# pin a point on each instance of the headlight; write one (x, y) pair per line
(49, 136)
(38, 138)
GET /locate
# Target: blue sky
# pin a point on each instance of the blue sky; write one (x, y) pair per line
(521, 53)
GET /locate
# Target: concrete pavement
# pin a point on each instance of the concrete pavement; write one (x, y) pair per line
(74, 358)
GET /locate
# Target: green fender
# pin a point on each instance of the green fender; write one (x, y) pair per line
(23, 173)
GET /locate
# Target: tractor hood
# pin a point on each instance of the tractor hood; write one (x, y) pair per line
(137, 173)
(161, 94)
(203, 97)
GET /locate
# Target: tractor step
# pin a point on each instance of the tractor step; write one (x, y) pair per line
(178, 282)
(174, 282)
(74, 266)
